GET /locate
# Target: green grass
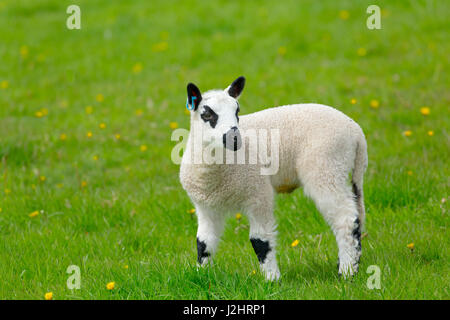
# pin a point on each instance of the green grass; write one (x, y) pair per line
(133, 210)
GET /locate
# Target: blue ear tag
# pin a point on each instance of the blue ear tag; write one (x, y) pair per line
(192, 103)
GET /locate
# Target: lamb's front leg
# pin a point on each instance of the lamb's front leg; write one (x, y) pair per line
(263, 238)
(210, 228)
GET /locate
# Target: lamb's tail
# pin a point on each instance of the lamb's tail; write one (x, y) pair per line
(358, 176)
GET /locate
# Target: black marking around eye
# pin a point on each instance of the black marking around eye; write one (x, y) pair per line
(213, 119)
(237, 111)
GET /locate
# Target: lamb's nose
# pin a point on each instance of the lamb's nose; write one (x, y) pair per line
(232, 139)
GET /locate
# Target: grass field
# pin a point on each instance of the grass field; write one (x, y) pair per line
(86, 118)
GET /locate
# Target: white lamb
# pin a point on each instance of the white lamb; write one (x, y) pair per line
(319, 147)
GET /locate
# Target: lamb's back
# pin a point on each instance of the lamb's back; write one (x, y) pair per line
(308, 117)
(308, 132)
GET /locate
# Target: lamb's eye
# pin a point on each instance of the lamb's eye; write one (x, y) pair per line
(207, 115)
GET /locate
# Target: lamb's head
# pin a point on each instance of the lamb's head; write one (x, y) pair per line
(215, 113)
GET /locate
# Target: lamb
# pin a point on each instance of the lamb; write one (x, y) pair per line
(319, 147)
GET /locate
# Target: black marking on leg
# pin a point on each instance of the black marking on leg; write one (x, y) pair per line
(356, 191)
(201, 251)
(356, 233)
(357, 229)
(261, 248)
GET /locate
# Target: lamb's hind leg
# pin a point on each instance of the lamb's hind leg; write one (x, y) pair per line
(337, 205)
(210, 228)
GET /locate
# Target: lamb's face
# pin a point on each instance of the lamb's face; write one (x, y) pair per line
(215, 115)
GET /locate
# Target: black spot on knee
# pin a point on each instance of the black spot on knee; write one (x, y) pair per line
(261, 248)
(201, 251)
(357, 233)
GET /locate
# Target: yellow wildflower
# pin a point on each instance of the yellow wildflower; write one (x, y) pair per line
(110, 285)
(63, 136)
(344, 14)
(282, 50)
(173, 125)
(295, 243)
(89, 134)
(191, 211)
(24, 51)
(42, 178)
(361, 52)
(425, 111)
(410, 246)
(353, 101)
(89, 109)
(100, 97)
(407, 133)
(34, 214)
(38, 114)
(430, 133)
(95, 157)
(83, 184)
(1, 209)
(137, 68)
(143, 148)
(48, 296)
(374, 103)
(117, 136)
(102, 125)
(139, 112)
(161, 46)
(125, 266)
(410, 173)
(4, 84)
(238, 216)
(385, 13)
(7, 191)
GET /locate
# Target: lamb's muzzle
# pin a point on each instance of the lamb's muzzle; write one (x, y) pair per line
(232, 139)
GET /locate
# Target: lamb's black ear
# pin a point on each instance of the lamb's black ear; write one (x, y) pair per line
(235, 89)
(193, 95)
